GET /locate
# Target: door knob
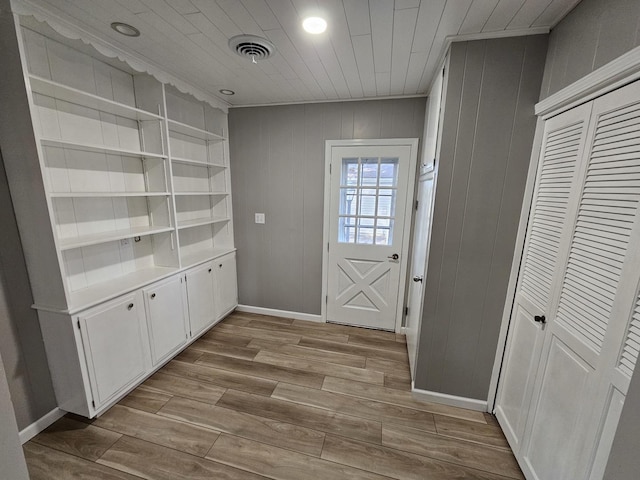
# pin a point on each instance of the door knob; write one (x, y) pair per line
(395, 256)
(417, 278)
(540, 319)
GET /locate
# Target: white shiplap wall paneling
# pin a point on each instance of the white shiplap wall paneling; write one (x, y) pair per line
(371, 47)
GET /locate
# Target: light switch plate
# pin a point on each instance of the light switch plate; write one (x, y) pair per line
(259, 217)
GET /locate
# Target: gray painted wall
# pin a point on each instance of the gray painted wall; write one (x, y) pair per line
(11, 457)
(624, 461)
(20, 339)
(593, 34)
(277, 168)
(487, 135)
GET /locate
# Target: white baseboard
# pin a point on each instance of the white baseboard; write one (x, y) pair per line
(39, 425)
(280, 313)
(445, 399)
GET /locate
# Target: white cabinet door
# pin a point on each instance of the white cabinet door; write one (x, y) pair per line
(553, 208)
(226, 284)
(200, 290)
(115, 344)
(166, 317)
(573, 342)
(596, 293)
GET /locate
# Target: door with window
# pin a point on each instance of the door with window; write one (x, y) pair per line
(367, 214)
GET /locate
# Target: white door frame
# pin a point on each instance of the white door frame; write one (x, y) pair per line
(625, 69)
(406, 232)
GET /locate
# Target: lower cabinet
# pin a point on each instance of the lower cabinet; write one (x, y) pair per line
(166, 317)
(225, 284)
(200, 298)
(98, 355)
(115, 346)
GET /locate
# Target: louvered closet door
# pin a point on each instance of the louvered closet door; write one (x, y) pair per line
(552, 209)
(584, 345)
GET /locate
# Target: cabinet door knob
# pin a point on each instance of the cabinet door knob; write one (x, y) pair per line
(220, 265)
(209, 270)
(153, 295)
(130, 306)
(540, 319)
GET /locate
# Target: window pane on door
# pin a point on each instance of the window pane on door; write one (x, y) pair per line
(367, 200)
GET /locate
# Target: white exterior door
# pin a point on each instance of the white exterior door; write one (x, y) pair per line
(574, 340)
(366, 226)
(418, 269)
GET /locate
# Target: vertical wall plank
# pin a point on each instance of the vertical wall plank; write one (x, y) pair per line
(487, 135)
(461, 157)
(277, 167)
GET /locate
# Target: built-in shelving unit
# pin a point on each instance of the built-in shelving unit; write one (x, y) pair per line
(198, 152)
(136, 173)
(122, 195)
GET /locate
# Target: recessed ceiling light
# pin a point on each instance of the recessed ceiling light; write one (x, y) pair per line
(314, 25)
(226, 91)
(125, 29)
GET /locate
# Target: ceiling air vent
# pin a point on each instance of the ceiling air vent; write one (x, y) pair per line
(251, 46)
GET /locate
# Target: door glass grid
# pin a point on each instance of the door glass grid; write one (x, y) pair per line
(368, 190)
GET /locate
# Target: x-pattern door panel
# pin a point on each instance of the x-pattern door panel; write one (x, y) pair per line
(363, 284)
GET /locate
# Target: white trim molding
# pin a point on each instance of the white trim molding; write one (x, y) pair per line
(68, 29)
(41, 424)
(309, 317)
(621, 71)
(446, 399)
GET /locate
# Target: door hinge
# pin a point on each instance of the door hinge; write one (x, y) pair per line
(329, 169)
(93, 404)
(78, 324)
(326, 299)
(417, 204)
(406, 310)
(327, 246)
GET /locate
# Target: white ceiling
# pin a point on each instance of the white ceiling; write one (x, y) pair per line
(372, 48)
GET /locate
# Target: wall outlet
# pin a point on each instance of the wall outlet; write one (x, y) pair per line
(259, 217)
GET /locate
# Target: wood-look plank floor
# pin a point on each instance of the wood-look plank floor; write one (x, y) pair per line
(262, 397)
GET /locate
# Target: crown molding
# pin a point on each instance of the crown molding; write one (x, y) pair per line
(615, 74)
(69, 30)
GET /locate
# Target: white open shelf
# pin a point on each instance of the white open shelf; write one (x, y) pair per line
(73, 95)
(51, 142)
(107, 194)
(204, 255)
(195, 194)
(197, 222)
(97, 238)
(198, 163)
(90, 296)
(195, 132)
